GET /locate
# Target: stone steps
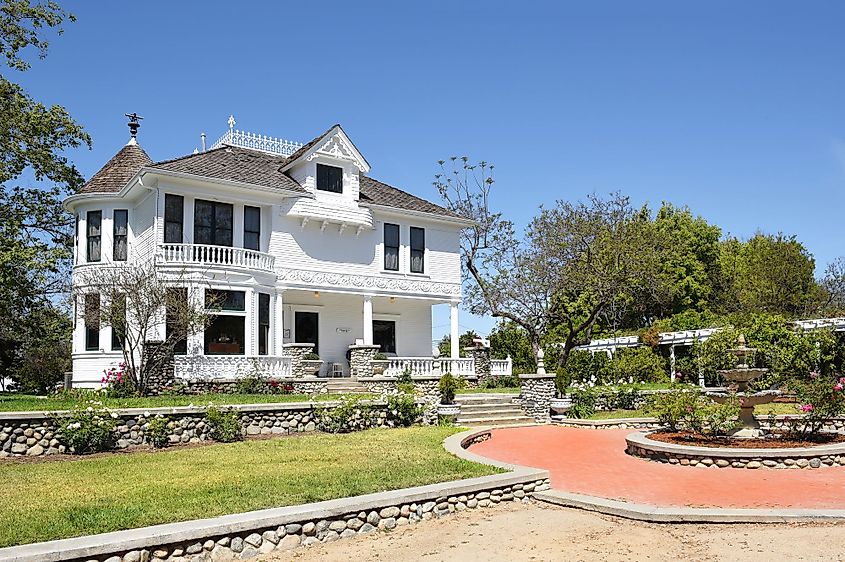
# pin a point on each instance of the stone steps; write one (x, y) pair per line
(490, 409)
(345, 386)
(504, 420)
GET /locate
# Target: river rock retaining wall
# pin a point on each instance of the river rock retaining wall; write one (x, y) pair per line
(37, 433)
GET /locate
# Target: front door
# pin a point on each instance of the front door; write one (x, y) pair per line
(307, 329)
(384, 335)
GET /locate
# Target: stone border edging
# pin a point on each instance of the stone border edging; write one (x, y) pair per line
(639, 445)
(613, 423)
(671, 514)
(145, 538)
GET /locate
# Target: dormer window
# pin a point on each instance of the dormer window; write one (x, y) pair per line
(329, 178)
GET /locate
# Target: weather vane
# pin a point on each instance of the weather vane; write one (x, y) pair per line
(134, 123)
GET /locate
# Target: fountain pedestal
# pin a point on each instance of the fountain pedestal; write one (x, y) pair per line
(742, 375)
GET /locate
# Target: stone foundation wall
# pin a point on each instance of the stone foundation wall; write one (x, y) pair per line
(37, 433)
(245, 545)
(302, 385)
(536, 395)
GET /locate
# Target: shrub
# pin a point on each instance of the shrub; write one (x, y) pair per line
(583, 404)
(157, 433)
(639, 364)
(820, 398)
(311, 357)
(447, 387)
(225, 425)
(692, 411)
(502, 381)
(379, 357)
(87, 429)
(404, 382)
(277, 387)
(621, 397)
(349, 415)
(584, 368)
(403, 410)
(117, 384)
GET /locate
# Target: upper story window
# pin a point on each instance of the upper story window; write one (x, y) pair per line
(94, 223)
(213, 223)
(329, 178)
(417, 250)
(120, 230)
(391, 247)
(252, 227)
(174, 218)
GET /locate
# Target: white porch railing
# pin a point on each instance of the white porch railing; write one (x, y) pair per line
(209, 367)
(501, 367)
(424, 366)
(203, 254)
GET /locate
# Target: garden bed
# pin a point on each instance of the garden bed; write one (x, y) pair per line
(44, 501)
(776, 441)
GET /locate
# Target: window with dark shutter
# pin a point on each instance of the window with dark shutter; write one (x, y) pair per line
(213, 223)
(94, 223)
(329, 178)
(391, 247)
(263, 323)
(120, 230)
(92, 321)
(174, 218)
(417, 250)
(252, 228)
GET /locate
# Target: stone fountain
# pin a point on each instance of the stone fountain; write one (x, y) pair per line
(742, 375)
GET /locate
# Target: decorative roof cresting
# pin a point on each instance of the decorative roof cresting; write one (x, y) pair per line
(253, 141)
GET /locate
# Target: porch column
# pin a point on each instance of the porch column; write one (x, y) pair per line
(455, 335)
(250, 323)
(672, 363)
(368, 320)
(279, 323)
(196, 340)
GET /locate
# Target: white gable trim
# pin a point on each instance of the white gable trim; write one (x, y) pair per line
(334, 144)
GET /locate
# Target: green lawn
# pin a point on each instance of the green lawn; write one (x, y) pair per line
(778, 408)
(502, 390)
(51, 500)
(26, 402)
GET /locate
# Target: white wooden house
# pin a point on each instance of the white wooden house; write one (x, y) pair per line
(306, 245)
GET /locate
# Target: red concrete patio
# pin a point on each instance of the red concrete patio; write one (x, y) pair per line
(593, 462)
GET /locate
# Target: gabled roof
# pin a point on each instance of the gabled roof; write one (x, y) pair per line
(236, 164)
(344, 143)
(117, 172)
(379, 193)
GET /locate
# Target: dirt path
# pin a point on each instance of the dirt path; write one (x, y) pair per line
(539, 532)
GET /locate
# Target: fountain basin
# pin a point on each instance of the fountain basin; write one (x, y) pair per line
(640, 445)
(743, 375)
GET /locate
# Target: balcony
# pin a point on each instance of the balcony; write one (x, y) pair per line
(211, 256)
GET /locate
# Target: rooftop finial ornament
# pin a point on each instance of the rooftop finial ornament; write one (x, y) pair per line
(134, 123)
(231, 122)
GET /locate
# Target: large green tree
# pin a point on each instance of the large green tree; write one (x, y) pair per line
(35, 174)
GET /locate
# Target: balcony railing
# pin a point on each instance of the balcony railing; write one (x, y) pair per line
(501, 367)
(210, 367)
(202, 254)
(424, 366)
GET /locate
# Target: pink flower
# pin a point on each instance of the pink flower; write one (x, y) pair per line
(814, 374)
(838, 386)
(806, 407)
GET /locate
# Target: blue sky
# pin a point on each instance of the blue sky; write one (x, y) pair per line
(736, 109)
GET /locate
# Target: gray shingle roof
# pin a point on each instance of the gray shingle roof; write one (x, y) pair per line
(379, 193)
(234, 164)
(117, 172)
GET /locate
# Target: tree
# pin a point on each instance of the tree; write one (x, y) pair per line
(575, 259)
(464, 340)
(767, 273)
(35, 233)
(833, 287)
(143, 307)
(509, 340)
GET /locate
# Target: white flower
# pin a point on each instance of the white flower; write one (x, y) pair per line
(114, 415)
(89, 409)
(146, 414)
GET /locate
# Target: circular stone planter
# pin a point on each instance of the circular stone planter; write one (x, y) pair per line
(639, 445)
(448, 410)
(560, 405)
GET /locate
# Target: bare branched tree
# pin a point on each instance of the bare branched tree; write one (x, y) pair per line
(833, 288)
(575, 261)
(143, 307)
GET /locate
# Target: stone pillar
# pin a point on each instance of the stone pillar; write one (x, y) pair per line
(368, 320)
(360, 357)
(536, 395)
(455, 335)
(279, 323)
(296, 352)
(481, 362)
(161, 375)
